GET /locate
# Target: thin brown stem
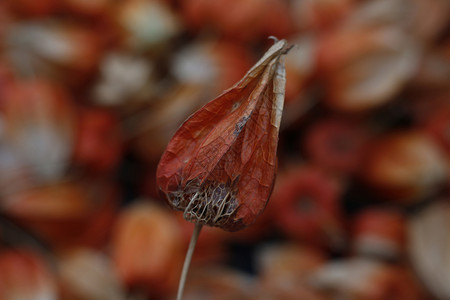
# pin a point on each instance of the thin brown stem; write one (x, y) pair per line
(187, 260)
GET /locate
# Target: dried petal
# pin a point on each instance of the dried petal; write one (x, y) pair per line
(219, 167)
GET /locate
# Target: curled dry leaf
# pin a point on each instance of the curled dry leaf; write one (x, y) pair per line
(219, 168)
(429, 247)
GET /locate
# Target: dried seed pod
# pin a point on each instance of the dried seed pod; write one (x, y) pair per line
(219, 167)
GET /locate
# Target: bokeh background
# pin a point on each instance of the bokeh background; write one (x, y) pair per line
(91, 92)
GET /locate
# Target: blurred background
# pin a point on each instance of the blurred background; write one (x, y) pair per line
(92, 91)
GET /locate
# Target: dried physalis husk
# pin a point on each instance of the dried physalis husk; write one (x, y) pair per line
(219, 167)
(429, 237)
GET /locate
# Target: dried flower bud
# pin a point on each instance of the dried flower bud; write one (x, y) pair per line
(219, 167)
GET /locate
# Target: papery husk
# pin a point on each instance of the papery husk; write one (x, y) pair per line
(219, 167)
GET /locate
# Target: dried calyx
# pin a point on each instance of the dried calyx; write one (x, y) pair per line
(219, 167)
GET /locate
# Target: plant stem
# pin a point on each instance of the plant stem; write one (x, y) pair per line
(187, 260)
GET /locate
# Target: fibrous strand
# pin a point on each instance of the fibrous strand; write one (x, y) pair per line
(211, 203)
